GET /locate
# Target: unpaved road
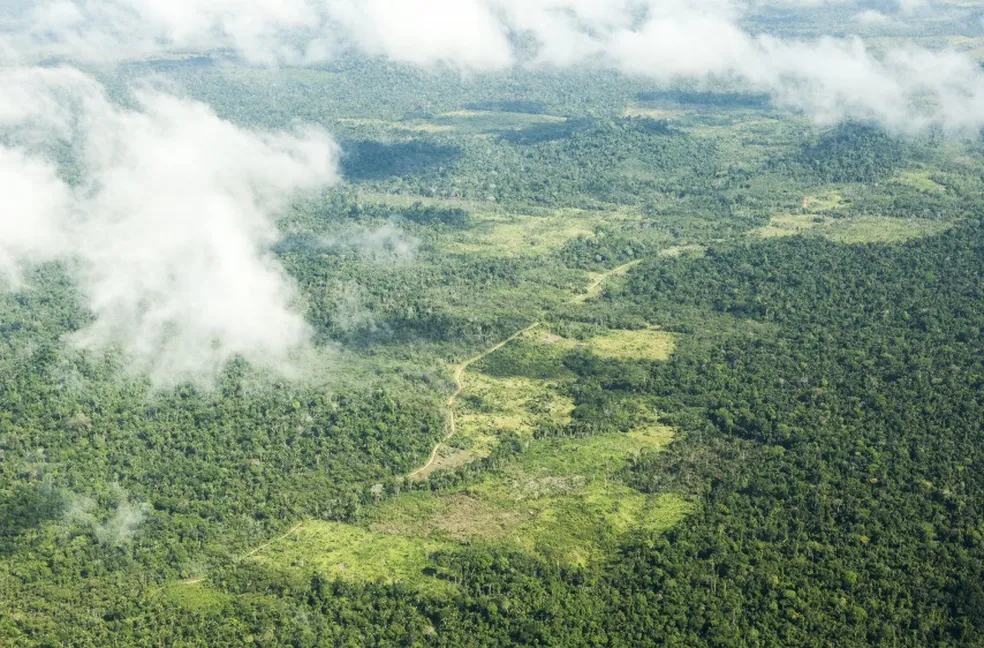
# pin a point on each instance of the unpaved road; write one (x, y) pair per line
(459, 379)
(295, 529)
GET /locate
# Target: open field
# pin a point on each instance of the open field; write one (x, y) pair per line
(830, 200)
(859, 229)
(598, 280)
(509, 404)
(355, 554)
(790, 224)
(920, 180)
(412, 126)
(195, 595)
(646, 344)
(490, 122)
(875, 229)
(516, 235)
(556, 500)
(642, 344)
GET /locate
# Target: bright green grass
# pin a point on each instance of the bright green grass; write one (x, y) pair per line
(745, 139)
(352, 553)
(645, 344)
(919, 180)
(641, 344)
(691, 250)
(860, 229)
(881, 229)
(789, 224)
(516, 235)
(824, 201)
(511, 403)
(591, 457)
(487, 121)
(557, 500)
(523, 386)
(505, 234)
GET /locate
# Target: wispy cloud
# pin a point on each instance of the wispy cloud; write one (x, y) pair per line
(664, 39)
(116, 526)
(169, 228)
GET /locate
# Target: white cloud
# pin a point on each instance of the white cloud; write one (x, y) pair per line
(913, 6)
(872, 17)
(115, 528)
(387, 243)
(169, 230)
(463, 33)
(31, 207)
(663, 39)
(684, 46)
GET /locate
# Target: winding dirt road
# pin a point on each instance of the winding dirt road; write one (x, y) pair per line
(592, 289)
(459, 374)
(295, 529)
(459, 379)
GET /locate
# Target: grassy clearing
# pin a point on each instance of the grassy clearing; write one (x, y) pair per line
(651, 112)
(352, 553)
(541, 352)
(517, 235)
(920, 181)
(556, 500)
(449, 456)
(789, 224)
(495, 116)
(683, 250)
(862, 229)
(881, 229)
(598, 280)
(494, 405)
(591, 457)
(484, 123)
(461, 446)
(745, 138)
(415, 126)
(645, 344)
(199, 595)
(521, 387)
(825, 201)
(500, 233)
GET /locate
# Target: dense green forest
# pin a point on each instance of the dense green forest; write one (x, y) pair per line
(819, 299)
